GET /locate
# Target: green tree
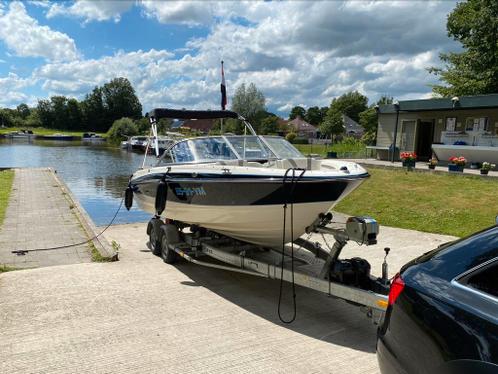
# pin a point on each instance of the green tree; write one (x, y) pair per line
(60, 113)
(45, 113)
(269, 125)
(23, 110)
(369, 118)
(74, 115)
(474, 70)
(350, 104)
(120, 100)
(297, 111)
(249, 102)
(314, 115)
(121, 129)
(93, 111)
(332, 124)
(33, 119)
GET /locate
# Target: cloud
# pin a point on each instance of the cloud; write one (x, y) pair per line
(191, 13)
(26, 38)
(11, 90)
(95, 10)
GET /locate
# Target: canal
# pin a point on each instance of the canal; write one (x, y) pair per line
(96, 173)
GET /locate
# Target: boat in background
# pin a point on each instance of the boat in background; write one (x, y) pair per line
(92, 137)
(21, 134)
(237, 185)
(60, 137)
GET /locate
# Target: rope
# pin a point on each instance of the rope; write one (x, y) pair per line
(24, 251)
(293, 182)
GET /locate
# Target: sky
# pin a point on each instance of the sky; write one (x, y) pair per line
(296, 53)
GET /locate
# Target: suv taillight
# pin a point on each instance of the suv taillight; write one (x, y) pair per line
(397, 287)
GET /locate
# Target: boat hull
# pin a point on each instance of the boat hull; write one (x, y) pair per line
(250, 209)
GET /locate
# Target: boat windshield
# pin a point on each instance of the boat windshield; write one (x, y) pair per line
(233, 147)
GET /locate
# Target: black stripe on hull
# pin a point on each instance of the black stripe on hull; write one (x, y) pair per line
(243, 193)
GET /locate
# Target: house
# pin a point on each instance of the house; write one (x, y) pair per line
(302, 128)
(459, 126)
(352, 128)
(202, 126)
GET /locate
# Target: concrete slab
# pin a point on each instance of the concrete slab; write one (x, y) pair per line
(40, 215)
(140, 315)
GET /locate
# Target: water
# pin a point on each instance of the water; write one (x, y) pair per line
(96, 174)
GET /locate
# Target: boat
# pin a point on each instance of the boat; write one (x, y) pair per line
(138, 143)
(92, 137)
(21, 134)
(238, 185)
(59, 137)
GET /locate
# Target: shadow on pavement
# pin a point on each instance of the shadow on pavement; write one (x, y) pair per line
(318, 316)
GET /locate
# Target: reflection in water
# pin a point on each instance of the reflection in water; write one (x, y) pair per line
(96, 174)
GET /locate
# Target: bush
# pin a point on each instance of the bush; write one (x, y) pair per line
(300, 141)
(290, 137)
(121, 129)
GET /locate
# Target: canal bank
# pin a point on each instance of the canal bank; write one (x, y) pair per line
(43, 213)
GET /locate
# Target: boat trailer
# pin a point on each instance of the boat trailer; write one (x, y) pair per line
(306, 263)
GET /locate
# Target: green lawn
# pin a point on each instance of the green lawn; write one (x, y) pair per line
(438, 203)
(44, 131)
(342, 149)
(6, 178)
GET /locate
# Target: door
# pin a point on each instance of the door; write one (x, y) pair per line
(407, 140)
(425, 134)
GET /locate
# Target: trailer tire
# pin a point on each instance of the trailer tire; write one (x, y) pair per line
(170, 235)
(155, 236)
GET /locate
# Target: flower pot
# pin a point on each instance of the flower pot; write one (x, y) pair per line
(432, 167)
(457, 168)
(484, 171)
(409, 163)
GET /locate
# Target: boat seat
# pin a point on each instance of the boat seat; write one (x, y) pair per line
(302, 163)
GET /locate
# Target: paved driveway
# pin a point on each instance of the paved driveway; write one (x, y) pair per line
(140, 315)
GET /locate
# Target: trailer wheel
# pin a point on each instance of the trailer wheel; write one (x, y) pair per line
(169, 235)
(155, 233)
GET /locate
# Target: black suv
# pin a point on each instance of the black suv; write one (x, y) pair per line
(443, 311)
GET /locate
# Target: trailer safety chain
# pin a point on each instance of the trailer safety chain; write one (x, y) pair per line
(289, 197)
(22, 252)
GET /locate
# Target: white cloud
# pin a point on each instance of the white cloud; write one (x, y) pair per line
(189, 13)
(11, 90)
(23, 35)
(95, 10)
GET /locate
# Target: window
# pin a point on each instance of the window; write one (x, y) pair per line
(451, 124)
(476, 124)
(486, 280)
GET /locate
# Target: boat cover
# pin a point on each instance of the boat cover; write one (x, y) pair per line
(191, 114)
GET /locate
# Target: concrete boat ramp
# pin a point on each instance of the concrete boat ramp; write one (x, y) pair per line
(139, 315)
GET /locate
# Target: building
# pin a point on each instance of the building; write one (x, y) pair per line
(202, 126)
(302, 128)
(459, 126)
(352, 128)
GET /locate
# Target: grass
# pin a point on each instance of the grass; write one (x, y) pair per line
(5, 268)
(343, 149)
(44, 131)
(6, 179)
(96, 256)
(438, 203)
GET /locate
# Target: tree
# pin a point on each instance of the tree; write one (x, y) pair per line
(93, 111)
(60, 113)
(297, 111)
(369, 118)
(332, 124)
(350, 104)
(74, 115)
(314, 115)
(121, 129)
(120, 100)
(249, 102)
(474, 70)
(45, 113)
(269, 125)
(23, 110)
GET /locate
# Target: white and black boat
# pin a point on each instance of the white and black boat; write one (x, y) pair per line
(237, 185)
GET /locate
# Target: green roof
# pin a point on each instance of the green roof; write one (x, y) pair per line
(464, 102)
